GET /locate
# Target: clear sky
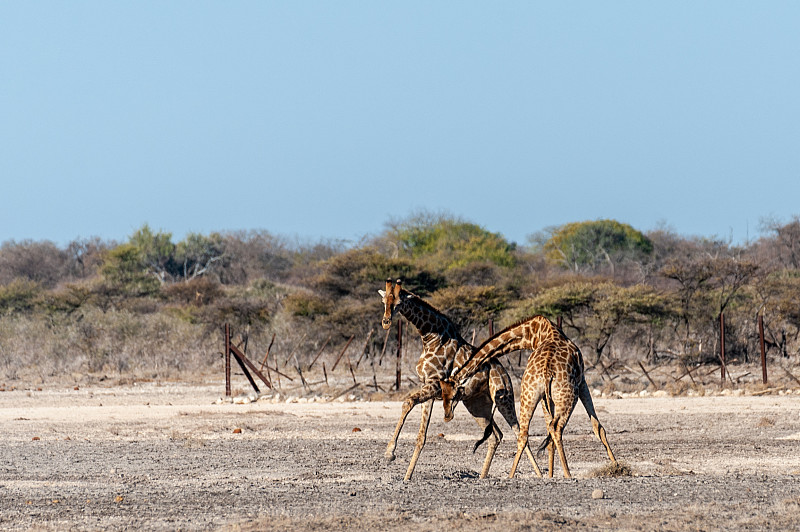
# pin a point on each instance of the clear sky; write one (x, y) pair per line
(327, 119)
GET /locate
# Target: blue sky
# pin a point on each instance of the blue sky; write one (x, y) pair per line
(328, 119)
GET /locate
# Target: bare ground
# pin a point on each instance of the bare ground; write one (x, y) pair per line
(166, 457)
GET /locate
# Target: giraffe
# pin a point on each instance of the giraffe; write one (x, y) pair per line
(554, 372)
(442, 347)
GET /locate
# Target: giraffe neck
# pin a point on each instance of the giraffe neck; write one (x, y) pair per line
(431, 324)
(527, 334)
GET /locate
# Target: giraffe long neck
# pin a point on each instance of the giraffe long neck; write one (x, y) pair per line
(527, 334)
(431, 324)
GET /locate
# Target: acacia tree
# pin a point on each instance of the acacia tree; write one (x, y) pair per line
(155, 252)
(197, 255)
(776, 297)
(597, 309)
(786, 238)
(706, 287)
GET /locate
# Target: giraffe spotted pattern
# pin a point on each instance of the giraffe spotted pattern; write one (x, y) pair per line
(442, 349)
(554, 372)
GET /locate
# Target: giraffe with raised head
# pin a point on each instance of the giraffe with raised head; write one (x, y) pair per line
(442, 348)
(554, 372)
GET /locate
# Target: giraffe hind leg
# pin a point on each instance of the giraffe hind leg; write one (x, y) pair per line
(482, 410)
(492, 447)
(562, 405)
(557, 431)
(599, 431)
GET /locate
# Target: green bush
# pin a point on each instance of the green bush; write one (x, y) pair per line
(20, 295)
(442, 242)
(588, 244)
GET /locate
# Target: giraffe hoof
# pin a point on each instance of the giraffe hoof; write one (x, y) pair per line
(389, 458)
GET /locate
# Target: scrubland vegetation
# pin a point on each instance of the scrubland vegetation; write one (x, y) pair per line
(152, 308)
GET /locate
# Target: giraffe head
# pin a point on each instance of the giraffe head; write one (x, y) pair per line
(451, 395)
(392, 298)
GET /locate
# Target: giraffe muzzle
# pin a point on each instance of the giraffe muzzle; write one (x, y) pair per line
(386, 323)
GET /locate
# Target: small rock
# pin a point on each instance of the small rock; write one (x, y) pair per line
(237, 431)
(356, 429)
(598, 494)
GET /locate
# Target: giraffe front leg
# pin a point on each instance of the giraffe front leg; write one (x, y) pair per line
(526, 409)
(505, 405)
(412, 400)
(423, 431)
(503, 396)
(497, 437)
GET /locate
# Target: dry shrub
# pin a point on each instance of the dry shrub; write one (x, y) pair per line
(677, 388)
(198, 291)
(612, 470)
(766, 422)
(113, 343)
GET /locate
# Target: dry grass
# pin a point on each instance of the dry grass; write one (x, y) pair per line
(612, 470)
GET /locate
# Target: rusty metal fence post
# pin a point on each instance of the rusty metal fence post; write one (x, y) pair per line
(399, 354)
(227, 360)
(763, 348)
(722, 347)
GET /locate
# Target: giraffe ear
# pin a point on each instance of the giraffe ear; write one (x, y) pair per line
(382, 293)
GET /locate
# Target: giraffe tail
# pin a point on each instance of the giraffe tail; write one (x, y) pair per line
(486, 432)
(549, 406)
(543, 445)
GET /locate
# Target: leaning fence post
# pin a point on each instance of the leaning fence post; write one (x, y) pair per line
(342, 353)
(763, 349)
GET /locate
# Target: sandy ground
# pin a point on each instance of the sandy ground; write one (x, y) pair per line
(166, 457)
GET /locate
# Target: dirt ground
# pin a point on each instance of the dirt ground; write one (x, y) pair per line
(169, 457)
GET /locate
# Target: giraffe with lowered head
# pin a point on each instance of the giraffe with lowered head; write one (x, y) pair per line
(442, 349)
(554, 372)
